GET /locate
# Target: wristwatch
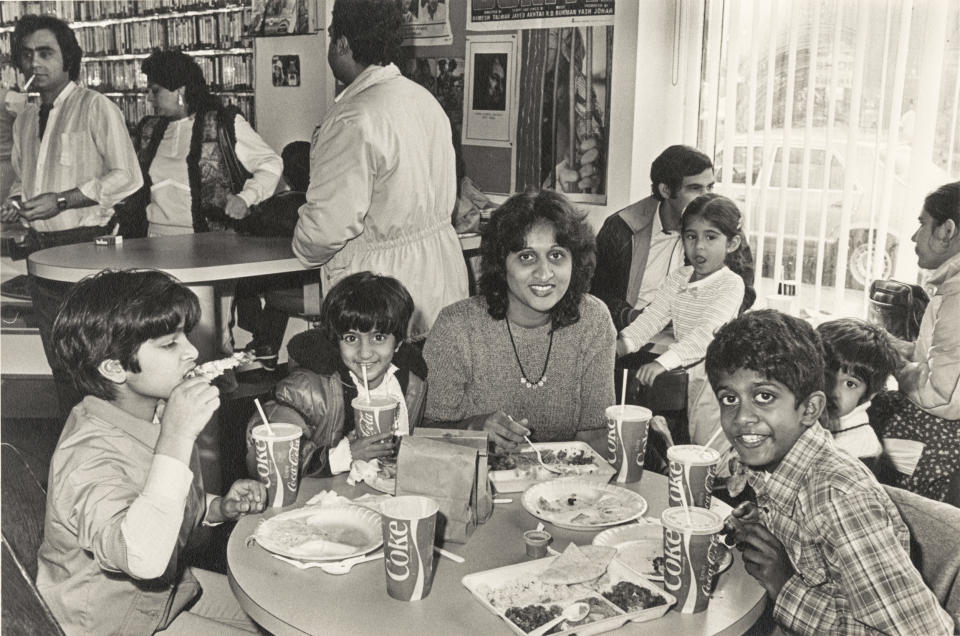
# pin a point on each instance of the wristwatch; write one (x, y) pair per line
(61, 203)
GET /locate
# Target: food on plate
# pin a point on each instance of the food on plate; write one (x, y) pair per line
(317, 536)
(530, 617)
(215, 368)
(593, 508)
(573, 461)
(578, 564)
(630, 597)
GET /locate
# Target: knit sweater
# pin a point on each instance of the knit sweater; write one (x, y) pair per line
(473, 369)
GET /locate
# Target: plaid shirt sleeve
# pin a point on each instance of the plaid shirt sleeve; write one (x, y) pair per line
(883, 592)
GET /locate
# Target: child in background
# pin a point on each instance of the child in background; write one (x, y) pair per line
(363, 323)
(697, 298)
(125, 489)
(859, 359)
(823, 539)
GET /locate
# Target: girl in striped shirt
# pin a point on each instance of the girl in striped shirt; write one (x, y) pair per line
(712, 289)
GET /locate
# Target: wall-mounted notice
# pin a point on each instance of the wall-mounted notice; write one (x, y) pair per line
(502, 15)
(426, 22)
(490, 104)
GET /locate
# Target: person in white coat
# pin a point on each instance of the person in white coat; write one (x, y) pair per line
(382, 171)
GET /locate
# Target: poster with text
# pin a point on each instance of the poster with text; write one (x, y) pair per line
(426, 22)
(490, 102)
(502, 15)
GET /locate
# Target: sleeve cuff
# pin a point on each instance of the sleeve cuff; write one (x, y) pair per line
(340, 457)
(249, 198)
(210, 500)
(91, 190)
(669, 360)
(630, 345)
(168, 479)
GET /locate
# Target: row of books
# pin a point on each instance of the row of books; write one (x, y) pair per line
(136, 107)
(218, 30)
(92, 10)
(224, 72)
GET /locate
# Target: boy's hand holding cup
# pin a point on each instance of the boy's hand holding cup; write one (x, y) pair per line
(373, 447)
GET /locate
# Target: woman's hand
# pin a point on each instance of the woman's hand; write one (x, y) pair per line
(649, 372)
(372, 447)
(504, 431)
(236, 208)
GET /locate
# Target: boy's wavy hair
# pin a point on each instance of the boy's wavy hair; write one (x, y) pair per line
(372, 27)
(506, 233)
(775, 345)
(108, 316)
(366, 302)
(861, 349)
(724, 214)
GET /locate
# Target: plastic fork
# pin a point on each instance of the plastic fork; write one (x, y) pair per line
(540, 458)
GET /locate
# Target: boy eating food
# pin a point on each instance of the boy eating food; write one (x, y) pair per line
(125, 492)
(823, 539)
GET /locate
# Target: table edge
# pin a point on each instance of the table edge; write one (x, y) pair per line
(262, 617)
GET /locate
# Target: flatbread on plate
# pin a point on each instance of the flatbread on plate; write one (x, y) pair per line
(578, 564)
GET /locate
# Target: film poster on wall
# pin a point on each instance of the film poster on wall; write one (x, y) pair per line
(499, 15)
(426, 22)
(490, 100)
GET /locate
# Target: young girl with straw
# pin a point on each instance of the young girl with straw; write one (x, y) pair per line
(359, 350)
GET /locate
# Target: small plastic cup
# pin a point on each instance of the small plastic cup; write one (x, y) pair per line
(627, 427)
(278, 461)
(692, 552)
(536, 543)
(409, 524)
(692, 472)
(15, 102)
(374, 416)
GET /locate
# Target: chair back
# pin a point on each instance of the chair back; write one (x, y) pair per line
(24, 610)
(23, 505)
(934, 553)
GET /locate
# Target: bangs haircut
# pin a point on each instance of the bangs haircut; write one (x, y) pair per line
(506, 233)
(775, 345)
(108, 316)
(861, 349)
(173, 69)
(367, 302)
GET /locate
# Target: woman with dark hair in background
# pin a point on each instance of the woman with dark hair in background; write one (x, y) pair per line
(203, 165)
(533, 355)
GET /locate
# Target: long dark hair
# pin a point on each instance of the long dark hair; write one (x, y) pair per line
(507, 233)
(173, 69)
(723, 214)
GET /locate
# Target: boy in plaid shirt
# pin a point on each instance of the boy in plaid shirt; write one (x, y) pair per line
(823, 537)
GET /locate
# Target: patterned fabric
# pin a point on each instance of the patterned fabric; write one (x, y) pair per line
(86, 146)
(898, 418)
(848, 544)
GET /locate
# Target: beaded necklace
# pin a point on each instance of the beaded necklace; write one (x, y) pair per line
(523, 374)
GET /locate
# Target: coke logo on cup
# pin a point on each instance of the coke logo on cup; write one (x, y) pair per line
(714, 555)
(293, 457)
(612, 439)
(263, 463)
(398, 551)
(676, 478)
(672, 557)
(708, 481)
(368, 424)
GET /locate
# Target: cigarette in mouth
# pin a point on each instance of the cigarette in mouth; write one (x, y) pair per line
(28, 83)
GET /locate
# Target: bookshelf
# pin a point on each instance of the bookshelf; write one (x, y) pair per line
(117, 35)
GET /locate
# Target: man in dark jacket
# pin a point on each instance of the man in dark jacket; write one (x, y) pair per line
(640, 245)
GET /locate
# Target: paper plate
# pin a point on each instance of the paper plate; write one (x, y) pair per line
(321, 533)
(575, 504)
(638, 545)
(386, 485)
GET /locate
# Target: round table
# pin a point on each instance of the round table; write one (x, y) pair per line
(286, 600)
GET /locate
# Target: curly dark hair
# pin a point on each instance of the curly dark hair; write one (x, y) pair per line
(673, 164)
(507, 233)
(861, 349)
(724, 214)
(173, 69)
(366, 301)
(66, 39)
(108, 316)
(372, 27)
(775, 345)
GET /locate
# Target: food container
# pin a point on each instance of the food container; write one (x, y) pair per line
(484, 584)
(530, 472)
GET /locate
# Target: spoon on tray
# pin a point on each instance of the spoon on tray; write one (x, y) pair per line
(540, 458)
(576, 612)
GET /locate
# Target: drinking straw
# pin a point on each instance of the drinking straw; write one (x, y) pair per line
(366, 386)
(263, 416)
(623, 391)
(714, 436)
(448, 554)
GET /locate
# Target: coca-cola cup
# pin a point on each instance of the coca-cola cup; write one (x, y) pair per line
(692, 552)
(692, 471)
(277, 452)
(409, 523)
(627, 440)
(374, 415)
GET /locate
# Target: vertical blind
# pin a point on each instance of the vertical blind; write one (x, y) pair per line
(828, 122)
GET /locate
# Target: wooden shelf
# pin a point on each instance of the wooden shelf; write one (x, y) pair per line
(144, 18)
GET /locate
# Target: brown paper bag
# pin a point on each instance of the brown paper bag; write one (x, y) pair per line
(450, 467)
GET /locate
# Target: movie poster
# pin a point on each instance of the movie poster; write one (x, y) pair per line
(426, 22)
(502, 15)
(442, 76)
(490, 102)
